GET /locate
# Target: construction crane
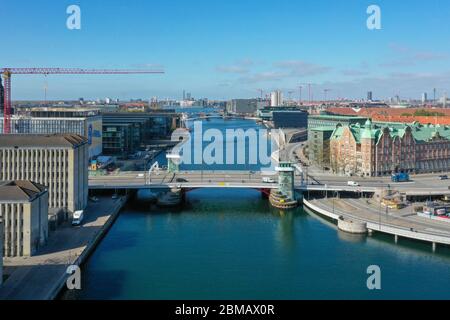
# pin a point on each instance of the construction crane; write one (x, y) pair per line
(8, 72)
(309, 91)
(261, 93)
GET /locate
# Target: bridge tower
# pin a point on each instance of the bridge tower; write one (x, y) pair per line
(286, 179)
(173, 163)
(284, 196)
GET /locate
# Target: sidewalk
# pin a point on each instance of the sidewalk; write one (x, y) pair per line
(40, 277)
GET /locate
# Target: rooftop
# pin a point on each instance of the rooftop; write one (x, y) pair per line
(330, 128)
(421, 133)
(20, 190)
(333, 116)
(41, 140)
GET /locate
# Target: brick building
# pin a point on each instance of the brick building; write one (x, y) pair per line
(382, 149)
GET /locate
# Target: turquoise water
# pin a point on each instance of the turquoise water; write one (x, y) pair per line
(230, 244)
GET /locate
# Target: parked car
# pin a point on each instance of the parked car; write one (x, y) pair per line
(352, 183)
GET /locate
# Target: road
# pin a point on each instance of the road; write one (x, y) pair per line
(371, 212)
(425, 185)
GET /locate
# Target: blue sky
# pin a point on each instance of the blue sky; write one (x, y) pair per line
(225, 49)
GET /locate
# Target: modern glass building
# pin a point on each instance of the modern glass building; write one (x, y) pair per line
(290, 119)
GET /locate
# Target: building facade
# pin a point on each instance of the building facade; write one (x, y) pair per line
(377, 150)
(2, 228)
(24, 211)
(243, 106)
(276, 98)
(319, 145)
(59, 162)
(315, 121)
(290, 119)
(121, 139)
(81, 121)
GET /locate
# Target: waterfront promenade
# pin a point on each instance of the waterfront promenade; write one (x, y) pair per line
(400, 223)
(42, 276)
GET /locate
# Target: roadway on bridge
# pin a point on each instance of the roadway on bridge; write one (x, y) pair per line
(420, 185)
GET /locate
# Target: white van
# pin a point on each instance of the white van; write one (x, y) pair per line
(77, 218)
(352, 183)
(268, 180)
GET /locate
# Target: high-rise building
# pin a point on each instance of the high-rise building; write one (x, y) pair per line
(59, 162)
(276, 98)
(424, 98)
(369, 96)
(24, 209)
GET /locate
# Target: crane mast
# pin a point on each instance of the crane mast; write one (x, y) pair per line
(8, 72)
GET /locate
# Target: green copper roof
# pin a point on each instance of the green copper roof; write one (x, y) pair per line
(421, 133)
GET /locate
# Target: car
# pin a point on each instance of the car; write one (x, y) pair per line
(181, 180)
(268, 180)
(140, 175)
(443, 177)
(77, 218)
(352, 183)
(93, 199)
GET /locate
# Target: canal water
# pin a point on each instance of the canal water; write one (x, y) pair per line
(230, 244)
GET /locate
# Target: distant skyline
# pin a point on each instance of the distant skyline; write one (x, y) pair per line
(229, 49)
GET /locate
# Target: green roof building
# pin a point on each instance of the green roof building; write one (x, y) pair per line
(384, 148)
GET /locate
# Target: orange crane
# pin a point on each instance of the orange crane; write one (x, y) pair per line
(8, 72)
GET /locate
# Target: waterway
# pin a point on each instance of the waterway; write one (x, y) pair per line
(230, 244)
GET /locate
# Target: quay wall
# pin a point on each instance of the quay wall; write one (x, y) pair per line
(61, 282)
(385, 228)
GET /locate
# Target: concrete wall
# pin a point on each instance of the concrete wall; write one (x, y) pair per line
(1, 252)
(63, 171)
(77, 179)
(29, 219)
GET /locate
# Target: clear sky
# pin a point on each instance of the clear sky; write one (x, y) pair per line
(229, 48)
